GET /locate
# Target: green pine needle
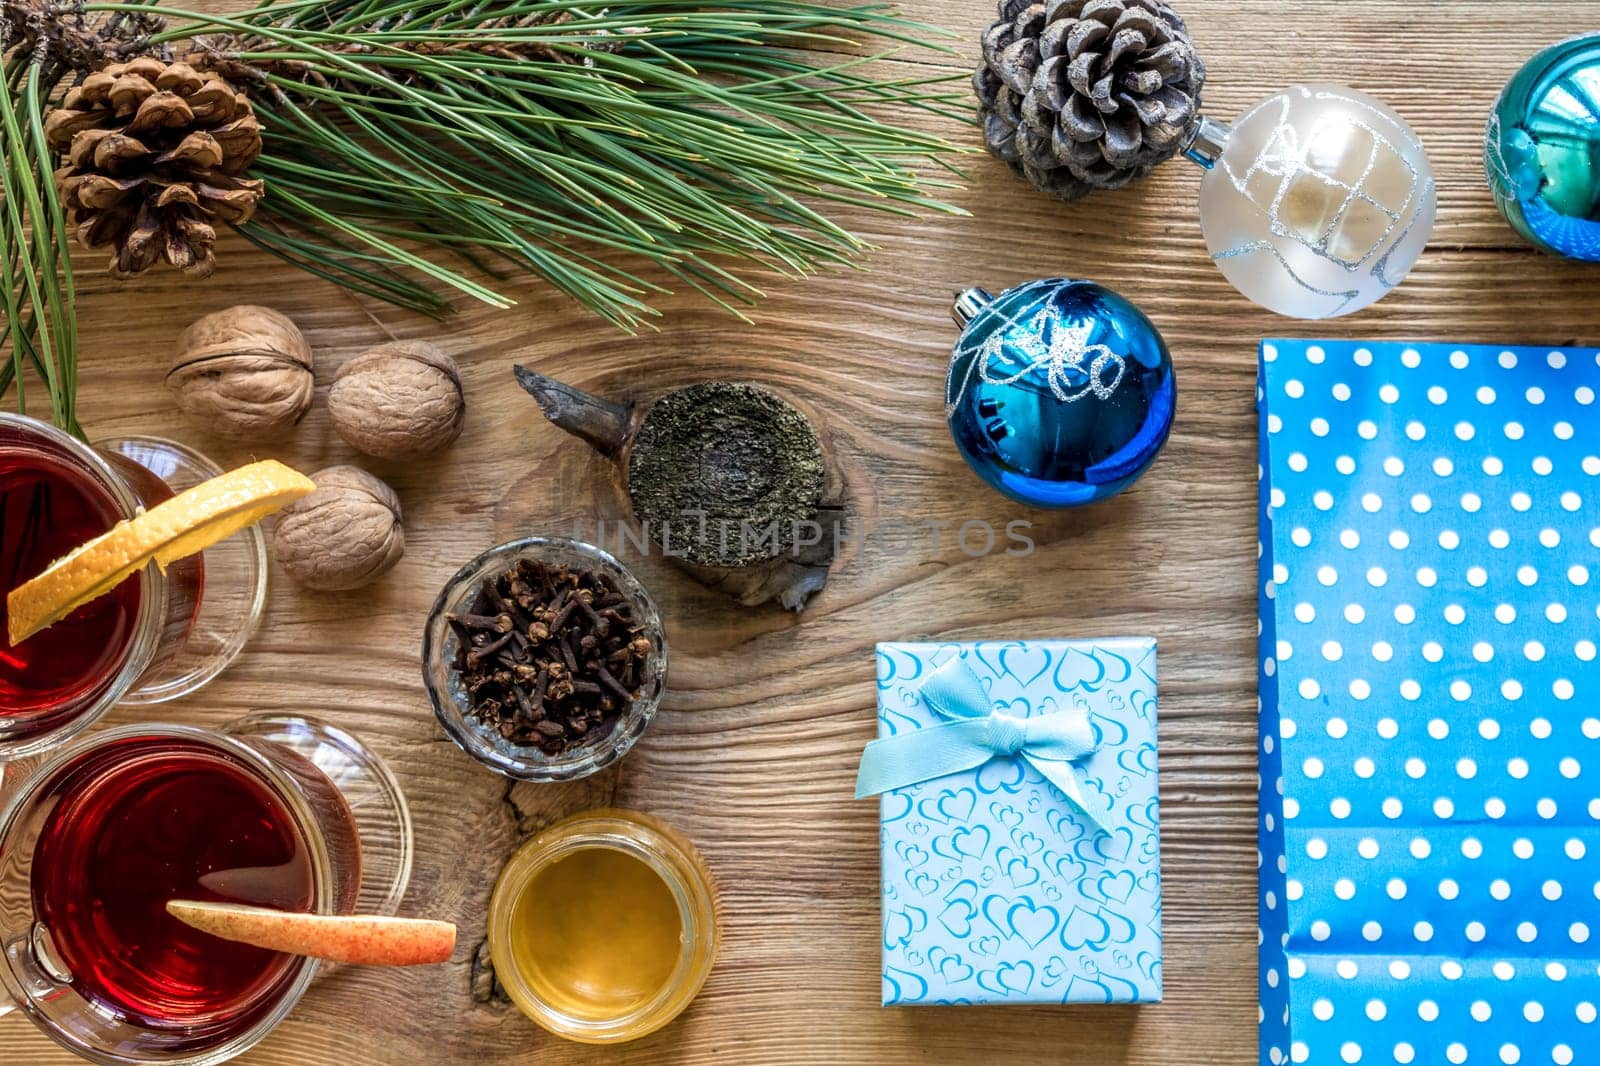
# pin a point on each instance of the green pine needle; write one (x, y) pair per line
(413, 148)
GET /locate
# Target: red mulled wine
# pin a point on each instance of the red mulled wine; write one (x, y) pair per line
(145, 819)
(49, 506)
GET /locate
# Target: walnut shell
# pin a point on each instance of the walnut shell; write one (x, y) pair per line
(244, 374)
(401, 400)
(344, 535)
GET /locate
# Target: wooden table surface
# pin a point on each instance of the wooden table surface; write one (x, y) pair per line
(754, 753)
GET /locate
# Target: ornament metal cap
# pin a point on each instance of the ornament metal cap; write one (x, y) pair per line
(968, 303)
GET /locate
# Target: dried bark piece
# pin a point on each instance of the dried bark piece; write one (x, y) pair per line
(730, 479)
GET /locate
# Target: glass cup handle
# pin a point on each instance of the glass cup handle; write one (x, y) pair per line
(6, 1005)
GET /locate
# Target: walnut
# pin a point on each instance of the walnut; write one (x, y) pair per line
(244, 374)
(401, 400)
(344, 535)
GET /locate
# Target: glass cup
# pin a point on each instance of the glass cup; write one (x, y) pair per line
(342, 834)
(178, 629)
(452, 706)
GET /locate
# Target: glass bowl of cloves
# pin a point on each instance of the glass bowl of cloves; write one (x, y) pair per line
(544, 659)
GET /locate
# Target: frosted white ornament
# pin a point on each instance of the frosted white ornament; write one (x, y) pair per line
(1316, 202)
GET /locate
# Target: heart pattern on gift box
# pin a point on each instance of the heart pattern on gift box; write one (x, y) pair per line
(996, 888)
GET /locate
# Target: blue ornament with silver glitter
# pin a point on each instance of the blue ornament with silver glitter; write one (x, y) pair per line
(1542, 150)
(1061, 392)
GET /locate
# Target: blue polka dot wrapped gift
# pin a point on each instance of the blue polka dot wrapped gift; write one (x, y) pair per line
(1018, 814)
(1430, 704)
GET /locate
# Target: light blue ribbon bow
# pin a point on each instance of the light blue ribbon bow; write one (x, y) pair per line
(1050, 743)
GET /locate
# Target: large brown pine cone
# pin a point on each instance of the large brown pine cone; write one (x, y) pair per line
(1077, 95)
(155, 156)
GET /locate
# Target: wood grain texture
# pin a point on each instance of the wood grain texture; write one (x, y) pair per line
(754, 753)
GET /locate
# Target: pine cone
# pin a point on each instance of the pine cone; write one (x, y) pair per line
(1077, 95)
(155, 152)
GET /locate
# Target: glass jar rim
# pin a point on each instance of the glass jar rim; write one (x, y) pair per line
(71, 717)
(681, 869)
(284, 787)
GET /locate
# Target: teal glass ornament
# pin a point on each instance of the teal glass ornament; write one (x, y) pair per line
(1542, 149)
(1060, 393)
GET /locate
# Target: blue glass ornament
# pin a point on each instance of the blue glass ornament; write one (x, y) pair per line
(1542, 149)
(1061, 393)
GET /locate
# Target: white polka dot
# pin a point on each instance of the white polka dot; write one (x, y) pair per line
(1485, 394)
(1396, 888)
(1456, 1054)
(1420, 848)
(1510, 1054)
(1585, 1012)
(1388, 728)
(1455, 614)
(1350, 1051)
(1471, 848)
(1574, 849)
(1494, 807)
(1505, 614)
(1488, 729)
(1405, 614)
(1555, 971)
(1354, 614)
(1508, 360)
(1499, 538)
(1500, 889)
(1377, 1010)
(1322, 1010)
(1511, 689)
(1578, 933)
(1527, 932)
(1515, 431)
(1347, 969)
(1521, 501)
(1475, 932)
(1561, 1055)
(1533, 1011)
(1404, 1054)
(1556, 612)
(1465, 431)
(1522, 848)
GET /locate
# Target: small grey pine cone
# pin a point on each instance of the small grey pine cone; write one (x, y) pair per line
(1077, 95)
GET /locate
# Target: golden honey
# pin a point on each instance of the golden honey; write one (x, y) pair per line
(603, 927)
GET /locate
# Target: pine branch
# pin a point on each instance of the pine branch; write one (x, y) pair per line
(568, 137)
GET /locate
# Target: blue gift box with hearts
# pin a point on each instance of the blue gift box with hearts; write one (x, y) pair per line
(997, 886)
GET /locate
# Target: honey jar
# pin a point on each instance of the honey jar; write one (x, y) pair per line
(603, 927)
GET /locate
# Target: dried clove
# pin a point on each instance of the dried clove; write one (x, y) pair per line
(550, 656)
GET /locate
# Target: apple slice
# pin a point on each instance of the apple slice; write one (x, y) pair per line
(354, 938)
